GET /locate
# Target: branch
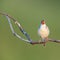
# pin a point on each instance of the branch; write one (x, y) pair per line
(17, 23)
(14, 33)
(53, 40)
(29, 40)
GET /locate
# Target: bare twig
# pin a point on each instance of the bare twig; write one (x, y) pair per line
(14, 33)
(17, 23)
(29, 40)
(53, 40)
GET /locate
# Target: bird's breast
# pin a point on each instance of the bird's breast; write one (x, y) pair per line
(43, 32)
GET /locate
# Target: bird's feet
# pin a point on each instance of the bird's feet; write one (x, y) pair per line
(42, 42)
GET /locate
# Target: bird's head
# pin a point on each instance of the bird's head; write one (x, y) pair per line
(42, 22)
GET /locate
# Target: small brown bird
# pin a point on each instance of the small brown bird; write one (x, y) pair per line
(43, 31)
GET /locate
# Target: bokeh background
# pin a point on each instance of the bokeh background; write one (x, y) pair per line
(29, 13)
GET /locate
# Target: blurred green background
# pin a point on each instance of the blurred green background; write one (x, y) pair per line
(29, 13)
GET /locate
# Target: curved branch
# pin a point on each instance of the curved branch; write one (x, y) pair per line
(29, 40)
(14, 33)
(17, 23)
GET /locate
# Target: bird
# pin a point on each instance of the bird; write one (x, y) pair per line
(43, 31)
